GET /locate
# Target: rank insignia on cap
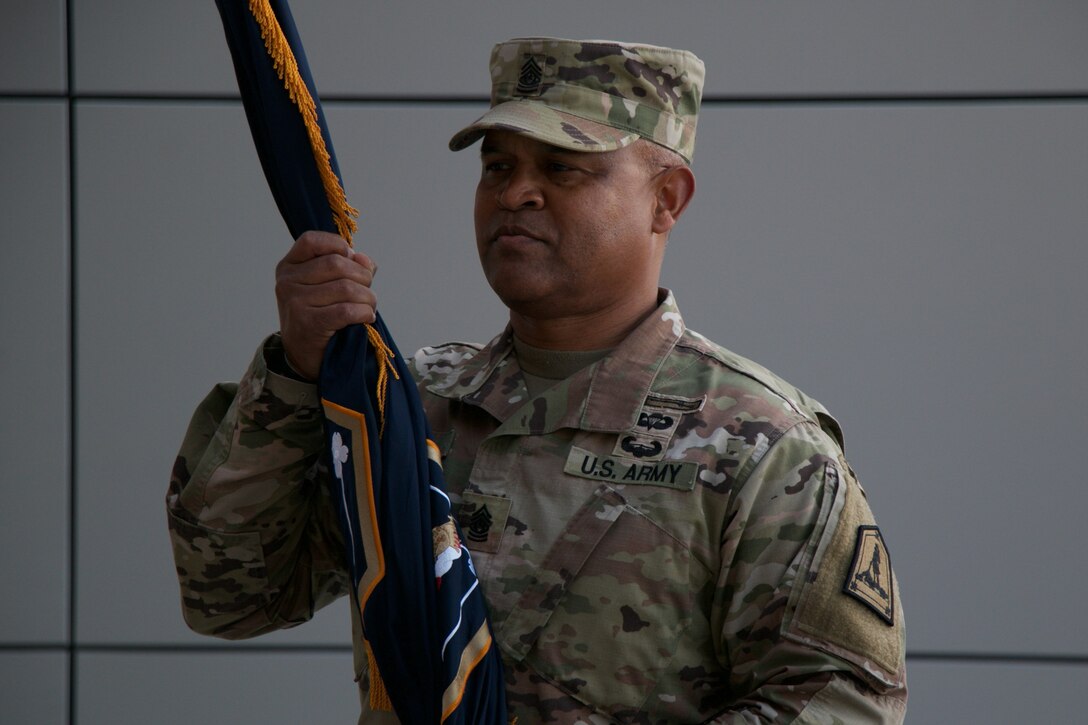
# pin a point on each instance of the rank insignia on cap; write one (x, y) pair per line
(870, 577)
(531, 76)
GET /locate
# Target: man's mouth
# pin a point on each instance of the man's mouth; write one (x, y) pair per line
(513, 233)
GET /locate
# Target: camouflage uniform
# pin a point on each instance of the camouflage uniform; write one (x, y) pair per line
(671, 535)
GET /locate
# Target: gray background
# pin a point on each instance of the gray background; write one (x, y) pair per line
(892, 210)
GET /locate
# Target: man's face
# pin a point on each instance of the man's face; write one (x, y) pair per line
(565, 233)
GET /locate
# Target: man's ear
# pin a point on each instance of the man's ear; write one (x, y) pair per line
(675, 188)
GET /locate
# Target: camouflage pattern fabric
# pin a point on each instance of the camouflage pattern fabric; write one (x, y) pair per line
(671, 535)
(592, 95)
(256, 542)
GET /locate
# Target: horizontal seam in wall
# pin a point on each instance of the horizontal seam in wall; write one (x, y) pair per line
(717, 100)
(190, 648)
(999, 658)
(160, 648)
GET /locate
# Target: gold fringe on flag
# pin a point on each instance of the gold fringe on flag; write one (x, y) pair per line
(283, 60)
(379, 696)
(385, 366)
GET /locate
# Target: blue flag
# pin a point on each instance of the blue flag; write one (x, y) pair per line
(424, 616)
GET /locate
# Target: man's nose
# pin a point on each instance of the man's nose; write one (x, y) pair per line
(522, 190)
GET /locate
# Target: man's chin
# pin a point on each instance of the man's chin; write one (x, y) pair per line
(524, 301)
(515, 284)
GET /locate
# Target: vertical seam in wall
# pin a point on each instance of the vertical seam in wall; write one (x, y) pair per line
(72, 371)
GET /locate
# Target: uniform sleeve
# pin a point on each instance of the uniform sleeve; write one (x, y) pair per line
(255, 539)
(807, 605)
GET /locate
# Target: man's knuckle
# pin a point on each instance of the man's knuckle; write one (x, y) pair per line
(332, 265)
(332, 316)
(343, 289)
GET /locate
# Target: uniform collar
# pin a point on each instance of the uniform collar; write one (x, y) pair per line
(605, 396)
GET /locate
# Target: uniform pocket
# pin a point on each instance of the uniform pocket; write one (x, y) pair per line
(611, 600)
(223, 578)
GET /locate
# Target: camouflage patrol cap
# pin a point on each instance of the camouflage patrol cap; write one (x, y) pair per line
(591, 95)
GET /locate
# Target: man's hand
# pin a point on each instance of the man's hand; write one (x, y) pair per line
(322, 285)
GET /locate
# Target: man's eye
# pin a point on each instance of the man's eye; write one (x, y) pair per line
(493, 166)
(559, 167)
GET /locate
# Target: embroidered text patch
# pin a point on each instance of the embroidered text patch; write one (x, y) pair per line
(672, 474)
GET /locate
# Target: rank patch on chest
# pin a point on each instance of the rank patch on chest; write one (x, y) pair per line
(870, 577)
(483, 520)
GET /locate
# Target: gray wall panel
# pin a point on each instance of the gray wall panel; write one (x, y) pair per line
(178, 241)
(216, 688)
(438, 48)
(33, 688)
(128, 46)
(34, 444)
(33, 46)
(919, 270)
(996, 693)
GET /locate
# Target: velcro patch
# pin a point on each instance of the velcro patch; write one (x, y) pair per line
(826, 614)
(870, 577)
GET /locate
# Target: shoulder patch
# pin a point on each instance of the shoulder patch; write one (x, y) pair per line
(864, 627)
(870, 577)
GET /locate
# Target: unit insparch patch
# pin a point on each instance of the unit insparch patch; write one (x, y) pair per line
(870, 577)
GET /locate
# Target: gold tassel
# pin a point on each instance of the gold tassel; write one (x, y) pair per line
(283, 60)
(379, 696)
(385, 366)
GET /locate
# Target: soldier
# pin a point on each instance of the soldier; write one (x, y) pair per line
(665, 531)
